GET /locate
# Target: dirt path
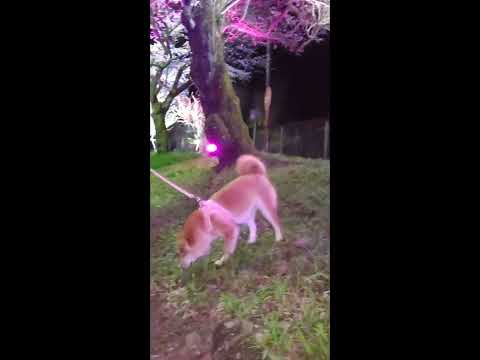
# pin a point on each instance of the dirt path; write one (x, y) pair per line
(201, 336)
(175, 338)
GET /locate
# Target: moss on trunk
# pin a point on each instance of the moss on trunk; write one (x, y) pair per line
(161, 137)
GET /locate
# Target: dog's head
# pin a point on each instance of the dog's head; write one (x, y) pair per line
(193, 239)
(186, 252)
(185, 255)
(182, 250)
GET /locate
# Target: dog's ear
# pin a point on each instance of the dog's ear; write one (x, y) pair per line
(182, 240)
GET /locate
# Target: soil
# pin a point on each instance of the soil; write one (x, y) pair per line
(171, 336)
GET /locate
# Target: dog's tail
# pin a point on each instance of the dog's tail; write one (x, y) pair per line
(250, 165)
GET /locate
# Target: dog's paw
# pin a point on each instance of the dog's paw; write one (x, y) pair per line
(222, 260)
(218, 262)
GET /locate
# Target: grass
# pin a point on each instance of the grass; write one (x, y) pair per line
(312, 332)
(276, 291)
(275, 340)
(237, 307)
(180, 168)
(159, 160)
(290, 307)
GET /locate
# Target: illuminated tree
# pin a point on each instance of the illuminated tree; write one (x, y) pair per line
(224, 124)
(188, 111)
(169, 65)
(208, 23)
(292, 24)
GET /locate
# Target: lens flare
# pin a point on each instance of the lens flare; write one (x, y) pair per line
(211, 148)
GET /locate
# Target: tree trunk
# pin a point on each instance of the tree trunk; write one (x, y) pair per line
(161, 137)
(224, 123)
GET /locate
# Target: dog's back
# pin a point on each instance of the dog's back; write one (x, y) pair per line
(250, 188)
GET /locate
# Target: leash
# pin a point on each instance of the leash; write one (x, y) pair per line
(178, 188)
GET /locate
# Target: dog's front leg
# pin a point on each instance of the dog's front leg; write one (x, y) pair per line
(229, 244)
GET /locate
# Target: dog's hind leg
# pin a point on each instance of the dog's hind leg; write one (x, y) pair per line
(252, 231)
(268, 209)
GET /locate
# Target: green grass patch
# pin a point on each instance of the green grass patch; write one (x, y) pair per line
(159, 160)
(275, 341)
(186, 174)
(238, 307)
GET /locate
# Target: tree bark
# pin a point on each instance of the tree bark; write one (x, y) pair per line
(224, 123)
(161, 136)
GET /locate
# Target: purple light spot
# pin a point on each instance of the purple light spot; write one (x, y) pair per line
(211, 148)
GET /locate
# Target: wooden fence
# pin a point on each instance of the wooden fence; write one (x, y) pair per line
(295, 139)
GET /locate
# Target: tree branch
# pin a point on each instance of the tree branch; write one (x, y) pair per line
(245, 10)
(177, 78)
(229, 6)
(175, 92)
(161, 66)
(182, 87)
(155, 85)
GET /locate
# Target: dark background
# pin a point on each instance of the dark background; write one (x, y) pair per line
(300, 86)
(308, 81)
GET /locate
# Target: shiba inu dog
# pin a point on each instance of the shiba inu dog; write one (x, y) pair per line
(234, 205)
